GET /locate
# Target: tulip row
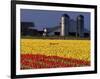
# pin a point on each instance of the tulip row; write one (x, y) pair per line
(30, 61)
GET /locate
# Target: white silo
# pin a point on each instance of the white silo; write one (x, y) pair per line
(80, 26)
(45, 32)
(64, 25)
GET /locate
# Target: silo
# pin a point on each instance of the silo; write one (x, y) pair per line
(64, 25)
(45, 32)
(80, 26)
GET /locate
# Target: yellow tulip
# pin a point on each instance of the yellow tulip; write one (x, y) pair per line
(77, 49)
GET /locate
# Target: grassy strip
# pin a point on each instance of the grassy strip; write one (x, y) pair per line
(55, 37)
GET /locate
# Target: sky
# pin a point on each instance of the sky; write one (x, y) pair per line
(49, 18)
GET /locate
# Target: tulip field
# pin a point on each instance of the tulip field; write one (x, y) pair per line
(46, 53)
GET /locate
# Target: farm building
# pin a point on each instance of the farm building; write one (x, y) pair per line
(70, 27)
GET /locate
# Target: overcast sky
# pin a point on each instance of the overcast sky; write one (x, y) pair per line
(48, 18)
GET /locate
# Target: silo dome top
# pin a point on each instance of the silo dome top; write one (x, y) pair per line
(80, 17)
(65, 15)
